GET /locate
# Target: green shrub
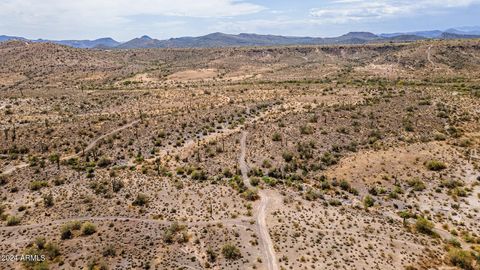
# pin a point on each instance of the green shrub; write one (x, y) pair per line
(141, 200)
(312, 194)
(416, 184)
(344, 185)
(269, 181)
(461, 258)
(368, 201)
(254, 181)
(435, 165)
(306, 129)
(287, 156)
(328, 159)
(104, 162)
(250, 194)
(231, 252)
(109, 251)
(424, 226)
(199, 175)
(170, 232)
(276, 137)
(37, 185)
(13, 221)
(48, 200)
(88, 228)
(66, 232)
(52, 250)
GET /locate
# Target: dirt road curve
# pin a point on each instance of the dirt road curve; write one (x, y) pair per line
(89, 147)
(261, 215)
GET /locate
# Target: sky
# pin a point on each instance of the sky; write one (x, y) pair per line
(162, 19)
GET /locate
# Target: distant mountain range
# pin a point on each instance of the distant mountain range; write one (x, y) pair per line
(227, 40)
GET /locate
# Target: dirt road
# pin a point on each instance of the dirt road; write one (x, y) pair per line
(89, 147)
(261, 215)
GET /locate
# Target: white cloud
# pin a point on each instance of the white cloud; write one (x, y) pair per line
(57, 18)
(343, 11)
(191, 8)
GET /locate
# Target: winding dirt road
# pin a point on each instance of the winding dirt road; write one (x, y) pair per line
(89, 147)
(261, 218)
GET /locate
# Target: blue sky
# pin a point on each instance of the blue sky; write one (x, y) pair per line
(126, 19)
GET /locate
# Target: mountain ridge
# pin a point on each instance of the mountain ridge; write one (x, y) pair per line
(219, 39)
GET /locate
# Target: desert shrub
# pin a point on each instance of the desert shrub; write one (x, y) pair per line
(424, 226)
(117, 185)
(32, 264)
(199, 175)
(328, 159)
(3, 180)
(334, 202)
(141, 200)
(368, 201)
(88, 228)
(37, 185)
(451, 184)
(435, 165)
(416, 184)
(344, 185)
(254, 181)
(227, 173)
(104, 162)
(52, 250)
(171, 232)
(287, 156)
(266, 163)
(40, 242)
(13, 221)
(454, 242)
(269, 181)
(461, 258)
(459, 192)
(66, 232)
(231, 252)
(211, 255)
(250, 194)
(276, 137)
(97, 265)
(109, 251)
(306, 129)
(48, 200)
(312, 194)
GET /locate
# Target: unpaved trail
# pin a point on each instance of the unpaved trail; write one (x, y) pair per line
(242, 162)
(89, 147)
(92, 144)
(429, 56)
(229, 222)
(261, 218)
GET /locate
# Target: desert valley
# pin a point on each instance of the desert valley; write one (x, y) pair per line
(292, 157)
